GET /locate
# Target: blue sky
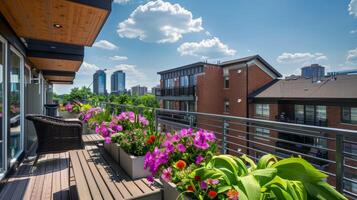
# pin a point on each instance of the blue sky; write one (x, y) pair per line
(144, 37)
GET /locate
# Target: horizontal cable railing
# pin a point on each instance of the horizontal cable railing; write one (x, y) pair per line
(332, 150)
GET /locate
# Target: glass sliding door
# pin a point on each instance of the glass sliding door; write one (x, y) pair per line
(3, 49)
(15, 113)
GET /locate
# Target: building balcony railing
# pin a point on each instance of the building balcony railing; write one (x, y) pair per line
(332, 150)
(177, 91)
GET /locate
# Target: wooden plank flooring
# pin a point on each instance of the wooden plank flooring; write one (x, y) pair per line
(47, 179)
(101, 178)
(50, 178)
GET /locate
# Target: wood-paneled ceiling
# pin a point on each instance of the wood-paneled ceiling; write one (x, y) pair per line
(37, 19)
(60, 78)
(56, 64)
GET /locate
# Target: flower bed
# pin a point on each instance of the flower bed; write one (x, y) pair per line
(187, 163)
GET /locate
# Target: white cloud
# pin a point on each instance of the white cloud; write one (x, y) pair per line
(353, 31)
(159, 21)
(209, 48)
(352, 56)
(87, 68)
(105, 44)
(352, 8)
(121, 1)
(118, 58)
(304, 58)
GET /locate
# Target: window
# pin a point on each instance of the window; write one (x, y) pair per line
(262, 110)
(184, 81)
(226, 82)
(169, 105)
(349, 115)
(193, 80)
(169, 83)
(311, 114)
(262, 132)
(299, 114)
(226, 106)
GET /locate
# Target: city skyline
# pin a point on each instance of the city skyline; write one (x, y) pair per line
(325, 34)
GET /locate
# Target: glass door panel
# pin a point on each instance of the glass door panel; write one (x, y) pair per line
(2, 102)
(15, 107)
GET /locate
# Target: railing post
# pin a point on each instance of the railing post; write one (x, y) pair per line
(156, 120)
(224, 137)
(339, 162)
(190, 121)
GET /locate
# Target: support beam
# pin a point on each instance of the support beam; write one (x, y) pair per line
(58, 73)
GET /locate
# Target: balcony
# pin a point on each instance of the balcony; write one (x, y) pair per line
(177, 91)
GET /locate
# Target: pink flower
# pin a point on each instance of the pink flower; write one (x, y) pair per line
(166, 174)
(150, 179)
(199, 159)
(200, 140)
(107, 140)
(68, 107)
(181, 148)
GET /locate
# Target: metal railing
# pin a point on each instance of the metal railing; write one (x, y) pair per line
(332, 150)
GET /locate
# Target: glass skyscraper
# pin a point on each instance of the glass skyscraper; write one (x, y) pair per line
(99, 82)
(117, 81)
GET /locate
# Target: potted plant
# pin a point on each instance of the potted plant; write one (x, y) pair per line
(70, 110)
(179, 154)
(87, 114)
(133, 147)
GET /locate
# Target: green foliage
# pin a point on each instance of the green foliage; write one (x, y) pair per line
(290, 178)
(78, 94)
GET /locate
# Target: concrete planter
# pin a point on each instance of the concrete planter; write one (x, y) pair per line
(68, 115)
(113, 149)
(133, 165)
(170, 191)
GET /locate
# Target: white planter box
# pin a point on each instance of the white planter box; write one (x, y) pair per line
(133, 165)
(170, 191)
(113, 150)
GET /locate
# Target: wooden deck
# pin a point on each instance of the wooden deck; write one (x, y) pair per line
(52, 177)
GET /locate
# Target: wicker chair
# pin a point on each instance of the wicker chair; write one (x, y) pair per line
(56, 135)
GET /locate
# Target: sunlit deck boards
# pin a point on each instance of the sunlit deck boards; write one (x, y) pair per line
(47, 179)
(92, 138)
(99, 177)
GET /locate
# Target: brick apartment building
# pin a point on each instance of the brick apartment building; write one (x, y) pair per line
(251, 87)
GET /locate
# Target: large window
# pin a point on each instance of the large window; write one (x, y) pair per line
(184, 81)
(169, 83)
(262, 110)
(2, 103)
(349, 115)
(310, 114)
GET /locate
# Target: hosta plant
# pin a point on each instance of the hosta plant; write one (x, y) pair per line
(290, 178)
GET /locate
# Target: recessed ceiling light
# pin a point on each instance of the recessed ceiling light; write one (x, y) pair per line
(57, 25)
(52, 47)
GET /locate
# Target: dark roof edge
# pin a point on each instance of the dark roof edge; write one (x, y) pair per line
(184, 67)
(250, 58)
(263, 88)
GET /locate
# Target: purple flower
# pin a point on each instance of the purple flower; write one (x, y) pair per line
(68, 107)
(150, 179)
(143, 121)
(115, 127)
(107, 140)
(203, 185)
(169, 148)
(210, 136)
(181, 148)
(200, 140)
(199, 159)
(166, 174)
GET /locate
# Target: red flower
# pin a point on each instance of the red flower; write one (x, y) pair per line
(212, 194)
(180, 164)
(149, 141)
(152, 137)
(190, 188)
(197, 178)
